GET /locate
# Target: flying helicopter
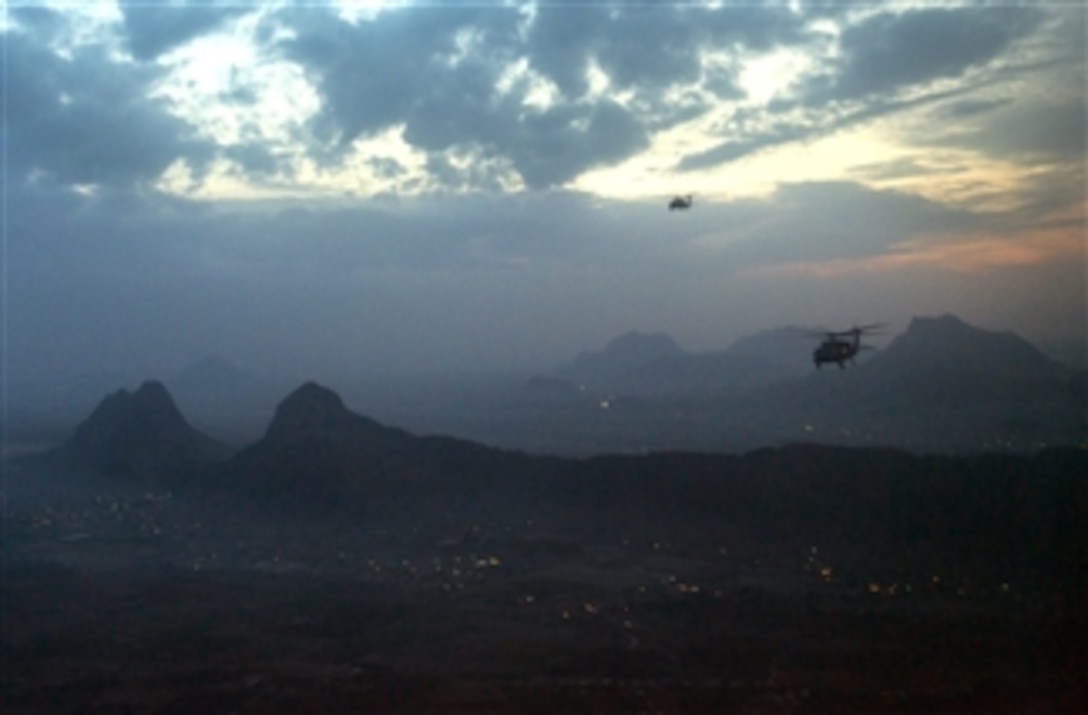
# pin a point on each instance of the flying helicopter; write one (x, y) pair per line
(842, 345)
(681, 203)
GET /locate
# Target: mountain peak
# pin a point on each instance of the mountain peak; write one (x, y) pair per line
(139, 431)
(310, 408)
(152, 397)
(949, 342)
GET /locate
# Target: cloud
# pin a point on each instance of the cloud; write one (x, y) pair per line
(1034, 129)
(878, 58)
(255, 159)
(153, 30)
(758, 130)
(370, 73)
(903, 168)
(734, 149)
(892, 51)
(467, 84)
(562, 41)
(447, 102)
(85, 119)
(40, 21)
(646, 47)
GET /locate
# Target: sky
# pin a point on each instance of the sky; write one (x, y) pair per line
(344, 189)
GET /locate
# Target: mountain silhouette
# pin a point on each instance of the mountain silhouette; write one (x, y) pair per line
(139, 434)
(641, 364)
(949, 345)
(318, 454)
(942, 384)
(616, 367)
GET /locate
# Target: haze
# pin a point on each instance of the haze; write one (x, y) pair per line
(340, 190)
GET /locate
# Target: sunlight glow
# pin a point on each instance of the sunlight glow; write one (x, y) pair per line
(765, 77)
(950, 253)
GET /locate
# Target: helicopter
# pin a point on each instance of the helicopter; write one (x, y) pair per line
(840, 346)
(681, 203)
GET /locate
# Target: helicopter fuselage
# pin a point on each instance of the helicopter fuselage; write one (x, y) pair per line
(836, 351)
(681, 203)
(838, 347)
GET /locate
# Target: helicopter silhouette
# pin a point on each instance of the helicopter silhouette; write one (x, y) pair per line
(681, 203)
(842, 345)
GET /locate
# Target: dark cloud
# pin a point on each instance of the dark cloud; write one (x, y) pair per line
(557, 145)
(370, 83)
(970, 107)
(44, 23)
(85, 119)
(649, 47)
(152, 30)
(371, 74)
(561, 42)
(652, 48)
(461, 108)
(1030, 130)
(891, 51)
(435, 72)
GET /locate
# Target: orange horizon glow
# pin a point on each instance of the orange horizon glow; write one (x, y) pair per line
(970, 253)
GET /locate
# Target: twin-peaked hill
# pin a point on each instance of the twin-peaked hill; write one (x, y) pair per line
(138, 435)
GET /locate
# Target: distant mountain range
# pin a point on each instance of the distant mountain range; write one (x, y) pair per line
(941, 385)
(320, 459)
(652, 363)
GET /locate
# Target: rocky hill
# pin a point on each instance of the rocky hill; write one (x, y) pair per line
(139, 435)
(317, 454)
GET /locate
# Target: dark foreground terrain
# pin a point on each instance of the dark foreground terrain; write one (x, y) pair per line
(124, 599)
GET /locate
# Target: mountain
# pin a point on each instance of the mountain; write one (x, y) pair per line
(942, 384)
(317, 454)
(139, 434)
(948, 345)
(616, 367)
(653, 364)
(779, 351)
